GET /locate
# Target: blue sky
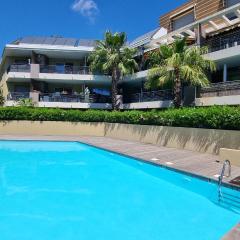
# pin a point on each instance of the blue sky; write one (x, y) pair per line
(86, 19)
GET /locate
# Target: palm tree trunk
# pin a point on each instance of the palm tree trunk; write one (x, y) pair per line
(114, 89)
(177, 90)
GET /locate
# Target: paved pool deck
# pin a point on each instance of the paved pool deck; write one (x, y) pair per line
(199, 164)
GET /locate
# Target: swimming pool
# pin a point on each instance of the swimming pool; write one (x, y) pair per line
(68, 190)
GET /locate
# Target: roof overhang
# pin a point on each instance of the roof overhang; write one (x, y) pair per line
(210, 24)
(25, 50)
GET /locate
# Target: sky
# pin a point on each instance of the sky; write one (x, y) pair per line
(86, 19)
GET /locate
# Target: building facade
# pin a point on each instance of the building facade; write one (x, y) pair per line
(54, 71)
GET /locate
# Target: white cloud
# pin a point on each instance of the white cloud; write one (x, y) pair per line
(87, 8)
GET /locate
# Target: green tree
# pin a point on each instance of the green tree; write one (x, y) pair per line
(178, 64)
(2, 99)
(112, 57)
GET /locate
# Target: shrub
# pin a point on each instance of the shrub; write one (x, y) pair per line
(25, 102)
(216, 117)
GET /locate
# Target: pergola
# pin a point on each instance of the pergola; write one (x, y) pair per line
(221, 21)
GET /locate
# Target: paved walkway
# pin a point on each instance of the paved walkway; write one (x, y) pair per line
(200, 164)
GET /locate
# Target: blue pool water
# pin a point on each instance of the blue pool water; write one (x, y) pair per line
(71, 191)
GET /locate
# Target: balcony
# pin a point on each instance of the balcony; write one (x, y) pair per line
(224, 93)
(161, 95)
(74, 98)
(220, 89)
(25, 68)
(74, 101)
(55, 73)
(225, 41)
(55, 69)
(16, 96)
(57, 100)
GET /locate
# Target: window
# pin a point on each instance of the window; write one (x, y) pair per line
(232, 2)
(21, 89)
(183, 21)
(69, 68)
(64, 90)
(60, 68)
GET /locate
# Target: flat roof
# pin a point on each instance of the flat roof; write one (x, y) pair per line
(55, 41)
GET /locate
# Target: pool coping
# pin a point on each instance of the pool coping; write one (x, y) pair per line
(206, 179)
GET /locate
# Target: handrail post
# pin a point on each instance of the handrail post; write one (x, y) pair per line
(222, 175)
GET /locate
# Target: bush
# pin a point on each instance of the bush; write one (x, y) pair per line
(25, 102)
(208, 117)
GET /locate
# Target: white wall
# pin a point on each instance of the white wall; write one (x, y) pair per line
(146, 105)
(74, 105)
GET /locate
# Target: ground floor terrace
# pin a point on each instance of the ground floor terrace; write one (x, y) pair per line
(201, 165)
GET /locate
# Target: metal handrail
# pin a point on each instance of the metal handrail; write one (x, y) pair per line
(222, 175)
(222, 88)
(19, 68)
(81, 98)
(16, 96)
(228, 40)
(66, 69)
(159, 95)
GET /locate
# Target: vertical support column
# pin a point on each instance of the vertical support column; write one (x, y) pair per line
(85, 65)
(199, 34)
(225, 73)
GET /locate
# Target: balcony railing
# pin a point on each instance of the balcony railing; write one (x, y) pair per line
(220, 89)
(64, 69)
(81, 98)
(19, 68)
(161, 95)
(16, 96)
(217, 43)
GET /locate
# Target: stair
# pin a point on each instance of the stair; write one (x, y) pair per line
(229, 200)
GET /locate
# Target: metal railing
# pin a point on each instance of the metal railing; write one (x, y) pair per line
(222, 175)
(161, 95)
(16, 96)
(65, 69)
(220, 89)
(228, 40)
(81, 98)
(19, 68)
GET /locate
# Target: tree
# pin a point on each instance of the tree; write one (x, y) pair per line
(2, 99)
(178, 64)
(112, 57)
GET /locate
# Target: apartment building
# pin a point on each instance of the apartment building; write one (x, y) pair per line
(216, 25)
(54, 71)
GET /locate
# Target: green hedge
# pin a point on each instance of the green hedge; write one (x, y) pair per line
(210, 117)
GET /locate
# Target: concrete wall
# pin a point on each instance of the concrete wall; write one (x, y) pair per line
(223, 100)
(146, 105)
(51, 128)
(202, 140)
(232, 155)
(75, 105)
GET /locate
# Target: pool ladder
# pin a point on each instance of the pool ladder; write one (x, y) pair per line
(222, 175)
(223, 197)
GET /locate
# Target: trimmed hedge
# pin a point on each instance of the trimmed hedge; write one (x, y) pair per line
(204, 117)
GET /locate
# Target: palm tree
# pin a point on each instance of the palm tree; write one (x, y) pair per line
(178, 64)
(111, 56)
